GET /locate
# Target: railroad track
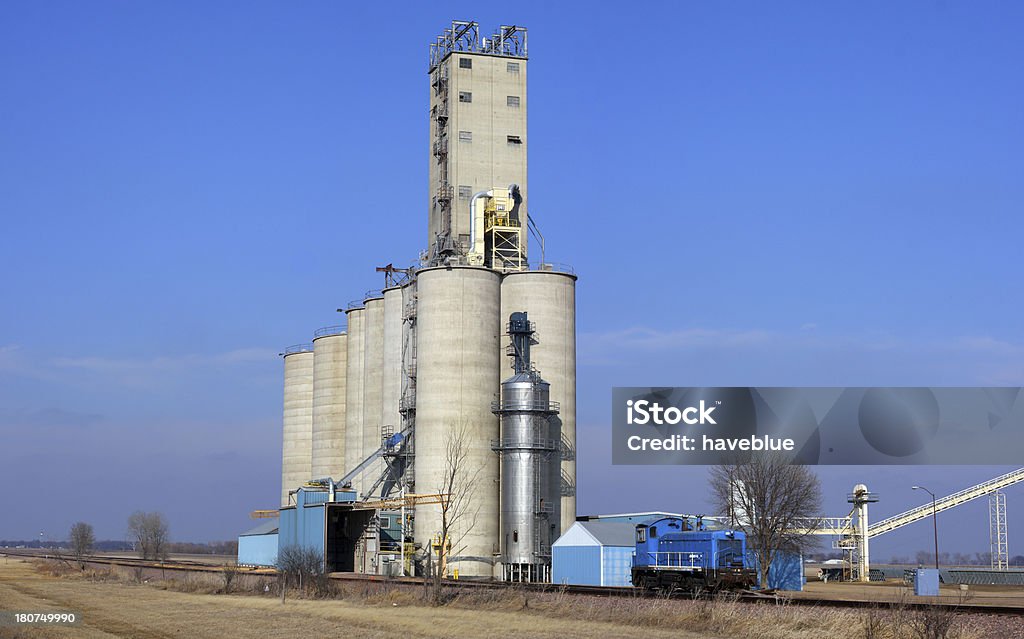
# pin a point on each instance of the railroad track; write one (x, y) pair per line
(754, 598)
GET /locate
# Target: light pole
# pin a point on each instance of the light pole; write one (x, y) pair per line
(935, 523)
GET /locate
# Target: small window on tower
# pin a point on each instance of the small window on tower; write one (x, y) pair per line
(465, 136)
(512, 67)
(514, 139)
(465, 192)
(512, 101)
(465, 96)
(465, 63)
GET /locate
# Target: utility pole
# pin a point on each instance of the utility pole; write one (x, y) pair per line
(935, 523)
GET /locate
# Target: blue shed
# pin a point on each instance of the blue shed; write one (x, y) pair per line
(786, 573)
(258, 547)
(594, 553)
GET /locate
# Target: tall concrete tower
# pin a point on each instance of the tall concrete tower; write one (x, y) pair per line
(477, 128)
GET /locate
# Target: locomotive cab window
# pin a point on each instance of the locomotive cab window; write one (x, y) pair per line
(641, 535)
(654, 531)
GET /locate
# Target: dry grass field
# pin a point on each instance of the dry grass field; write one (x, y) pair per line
(112, 604)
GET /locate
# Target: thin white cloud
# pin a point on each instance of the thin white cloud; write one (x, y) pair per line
(9, 356)
(985, 344)
(92, 371)
(984, 359)
(650, 339)
(165, 363)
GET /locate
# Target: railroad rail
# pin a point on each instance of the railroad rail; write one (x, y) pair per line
(749, 597)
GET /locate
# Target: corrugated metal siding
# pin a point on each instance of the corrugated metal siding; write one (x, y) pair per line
(786, 573)
(257, 550)
(302, 526)
(316, 497)
(576, 565)
(618, 566)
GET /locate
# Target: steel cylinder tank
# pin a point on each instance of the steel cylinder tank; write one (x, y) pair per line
(373, 376)
(457, 376)
(330, 362)
(296, 448)
(354, 391)
(530, 461)
(527, 513)
(549, 298)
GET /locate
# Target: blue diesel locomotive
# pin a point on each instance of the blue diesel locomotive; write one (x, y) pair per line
(674, 553)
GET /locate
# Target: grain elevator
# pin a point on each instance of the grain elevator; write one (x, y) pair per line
(474, 345)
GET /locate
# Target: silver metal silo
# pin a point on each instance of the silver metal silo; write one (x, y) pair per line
(529, 463)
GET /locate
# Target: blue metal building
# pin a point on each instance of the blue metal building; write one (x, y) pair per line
(329, 523)
(786, 573)
(594, 553)
(258, 547)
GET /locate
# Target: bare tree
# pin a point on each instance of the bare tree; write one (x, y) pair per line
(149, 530)
(459, 506)
(82, 541)
(229, 573)
(774, 502)
(303, 567)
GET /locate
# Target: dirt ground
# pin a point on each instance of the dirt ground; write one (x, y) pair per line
(113, 605)
(894, 591)
(146, 612)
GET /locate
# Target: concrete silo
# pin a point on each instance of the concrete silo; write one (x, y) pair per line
(391, 383)
(373, 376)
(330, 362)
(549, 298)
(354, 390)
(457, 377)
(296, 448)
(427, 355)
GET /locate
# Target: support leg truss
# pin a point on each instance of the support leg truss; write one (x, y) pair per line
(997, 531)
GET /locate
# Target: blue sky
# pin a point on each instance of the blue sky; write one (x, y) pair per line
(793, 194)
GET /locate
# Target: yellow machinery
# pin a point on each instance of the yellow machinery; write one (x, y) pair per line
(381, 504)
(496, 230)
(398, 502)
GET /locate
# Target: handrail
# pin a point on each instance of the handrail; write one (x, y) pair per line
(553, 267)
(298, 348)
(328, 331)
(513, 443)
(675, 559)
(511, 405)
